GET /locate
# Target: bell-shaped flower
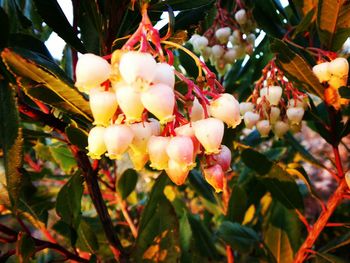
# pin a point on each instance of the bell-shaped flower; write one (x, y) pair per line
(96, 144)
(209, 133)
(280, 128)
(226, 108)
(137, 66)
(231, 56)
(142, 132)
(188, 130)
(217, 51)
(336, 82)
(322, 71)
(275, 113)
(117, 138)
(91, 71)
(339, 67)
(241, 17)
(295, 114)
(177, 172)
(129, 100)
(272, 93)
(180, 149)
(158, 156)
(245, 107)
(159, 100)
(138, 160)
(223, 158)
(103, 105)
(199, 43)
(164, 74)
(214, 175)
(222, 34)
(250, 119)
(263, 128)
(197, 111)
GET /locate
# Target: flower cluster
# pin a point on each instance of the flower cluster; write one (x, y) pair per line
(333, 75)
(227, 40)
(138, 111)
(276, 104)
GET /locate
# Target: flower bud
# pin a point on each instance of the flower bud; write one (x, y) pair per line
(193, 38)
(129, 100)
(263, 128)
(217, 51)
(188, 130)
(223, 158)
(339, 67)
(241, 17)
(251, 39)
(250, 119)
(301, 101)
(236, 38)
(240, 51)
(91, 71)
(280, 128)
(180, 149)
(96, 144)
(222, 34)
(230, 56)
(245, 107)
(295, 114)
(142, 132)
(214, 175)
(103, 105)
(321, 71)
(274, 114)
(197, 111)
(177, 172)
(209, 133)
(117, 139)
(226, 108)
(157, 152)
(206, 53)
(138, 159)
(164, 74)
(159, 100)
(200, 43)
(272, 93)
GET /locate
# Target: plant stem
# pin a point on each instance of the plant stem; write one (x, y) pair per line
(229, 254)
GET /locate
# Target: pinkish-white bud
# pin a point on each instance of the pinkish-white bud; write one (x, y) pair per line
(180, 149)
(164, 74)
(206, 53)
(129, 100)
(159, 100)
(250, 119)
(200, 43)
(226, 108)
(188, 130)
(280, 128)
(217, 51)
(251, 39)
(321, 71)
(272, 93)
(295, 114)
(142, 132)
(214, 175)
(274, 114)
(117, 138)
(197, 111)
(91, 71)
(138, 160)
(230, 56)
(158, 156)
(263, 128)
(222, 34)
(223, 158)
(339, 67)
(209, 133)
(177, 172)
(301, 101)
(103, 105)
(241, 17)
(245, 107)
(137, 66)
(96, 144)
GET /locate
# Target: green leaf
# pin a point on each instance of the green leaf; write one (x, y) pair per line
(25, 247)
(327, 258)
(87, 239)
(185, 235)
(241, 238)
(201, 186)
(180, 5)
(305, 23)
(256, 161)
(296, 68)
(54, 17)
(68, 203)
(63, 157)
(77, 137)
(4, 30)
(237, 204)
(35, 72)
(127, 182)
(283, 187)
(333, 23)
(11, 141)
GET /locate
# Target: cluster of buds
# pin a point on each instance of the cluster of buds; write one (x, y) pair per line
(276, 105)
(333, 75)
(138, 111)
(230, 38)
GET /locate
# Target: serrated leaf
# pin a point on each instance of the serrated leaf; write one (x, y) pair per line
(127, 182)
(241, 238)
(25, 247)
(54, 17)
(34, 72)
(296, 68)
(11, 141)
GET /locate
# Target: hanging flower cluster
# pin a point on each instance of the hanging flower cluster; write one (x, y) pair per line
(333, 74)
(276, 105)
(230, 38)
(137, 109)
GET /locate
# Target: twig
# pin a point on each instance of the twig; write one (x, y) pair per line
(126, 215)
(229, 255)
